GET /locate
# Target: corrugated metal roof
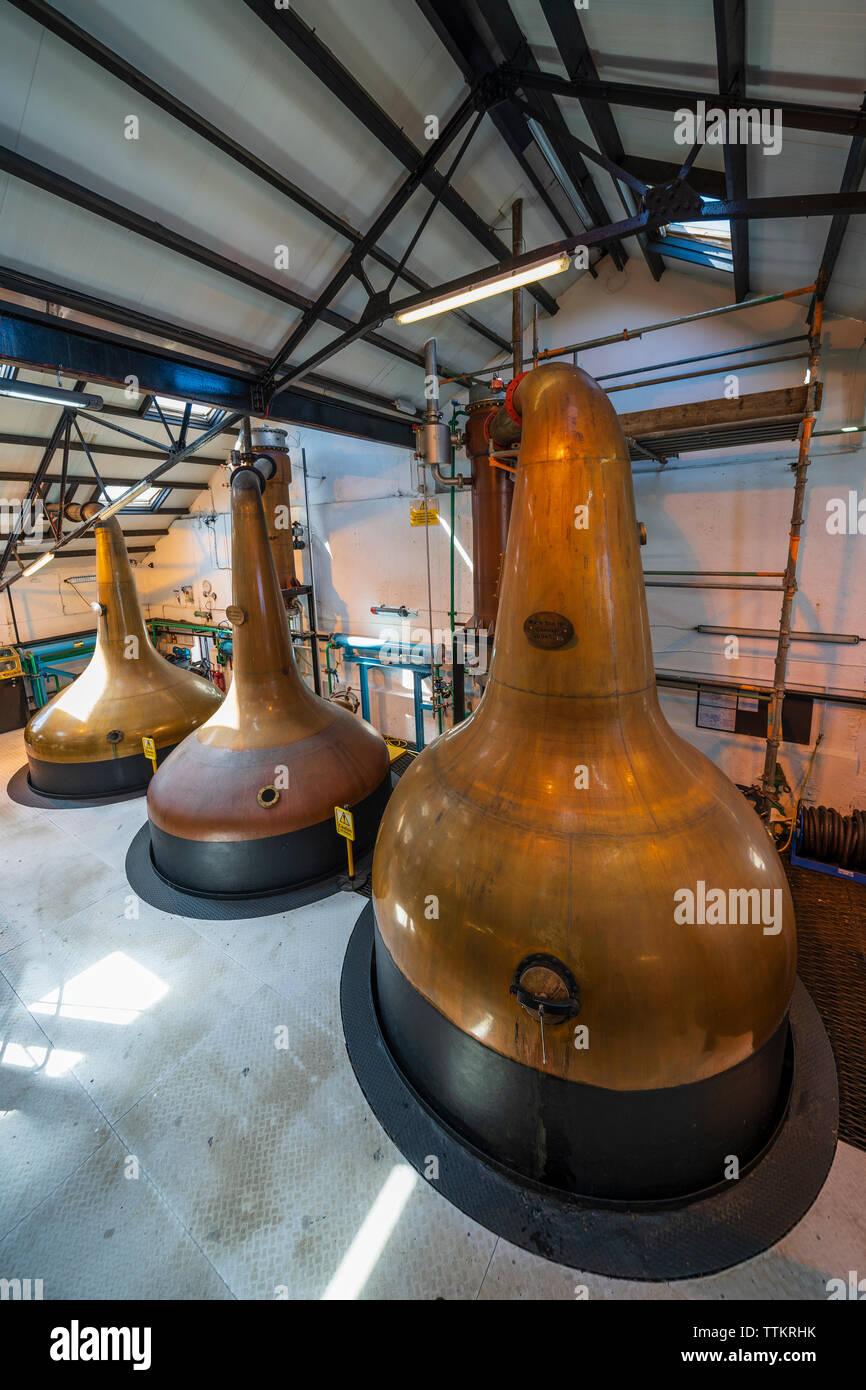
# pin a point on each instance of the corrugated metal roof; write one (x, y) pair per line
(59, 108)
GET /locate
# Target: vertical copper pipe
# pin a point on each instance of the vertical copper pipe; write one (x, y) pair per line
(492, 494)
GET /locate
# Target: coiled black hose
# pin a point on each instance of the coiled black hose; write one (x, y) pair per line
(833, 838)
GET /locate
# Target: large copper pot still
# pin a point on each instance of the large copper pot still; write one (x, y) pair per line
(536, 981)
(86, 741)
(246, 804)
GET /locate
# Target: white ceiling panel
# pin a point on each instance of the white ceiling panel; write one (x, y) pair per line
(59, 108)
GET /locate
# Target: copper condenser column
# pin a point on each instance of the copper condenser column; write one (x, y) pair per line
(246, 804)
(585, 942)
(86, 741)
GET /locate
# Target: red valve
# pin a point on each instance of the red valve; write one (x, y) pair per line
(509, 398)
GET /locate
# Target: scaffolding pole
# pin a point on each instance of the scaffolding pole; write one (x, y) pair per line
(768, 780)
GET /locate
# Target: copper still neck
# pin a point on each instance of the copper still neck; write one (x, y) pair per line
(266, 683)
(268, 440)
(121, 616)
(573, 506)
(261, 643)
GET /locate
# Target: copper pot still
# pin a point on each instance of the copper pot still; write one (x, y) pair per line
(246, 804)
(542, 979)
(87, 740)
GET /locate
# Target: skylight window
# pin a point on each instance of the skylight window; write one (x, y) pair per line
(702, 242)
(146, 500)
(173, 409)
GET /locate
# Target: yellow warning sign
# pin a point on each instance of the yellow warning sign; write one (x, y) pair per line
(424, 516)
(345, 822)
(149, 750)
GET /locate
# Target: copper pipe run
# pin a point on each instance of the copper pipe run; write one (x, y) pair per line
(492, 494)
(246, 804)
(86, 742)
(571, 1003)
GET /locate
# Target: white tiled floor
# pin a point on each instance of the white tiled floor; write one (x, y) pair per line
(178, 1117)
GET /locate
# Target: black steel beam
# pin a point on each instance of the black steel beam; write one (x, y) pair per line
(51, 447)
(301, 40)
(514, 49)
(177, 455)
(42, 340)
(74, 192)
(463, 38)
(834, 120)
(111, 62)
(460, 39)
(796, 205)
(73, 553)
(730, 22)
(35, 441)
(51, 293)
(20, 476)
(707, 181)
(394, 206)
(138, 532)
(33, 287)
(65, 490)
(793, 205)
(570, 40)
(855, 168)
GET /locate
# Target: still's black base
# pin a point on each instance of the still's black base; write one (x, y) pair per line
(20, 790)
(93, 780)
(621, 1146)
(651, 1238)
(276, 863)
(148, 885)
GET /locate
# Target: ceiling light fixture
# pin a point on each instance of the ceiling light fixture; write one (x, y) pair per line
(485, 289)
(37, 564)
(50, 395)
(124, 501)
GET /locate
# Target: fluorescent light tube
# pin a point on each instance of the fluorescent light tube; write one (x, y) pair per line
(37, 564)
(485, 289)
(125, 500)
(51, 395)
